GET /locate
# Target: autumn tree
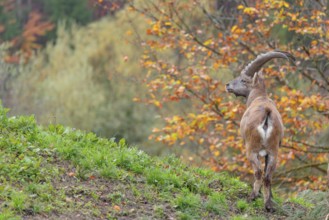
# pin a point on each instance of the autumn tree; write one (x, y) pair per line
(29, 25)
(194, 47)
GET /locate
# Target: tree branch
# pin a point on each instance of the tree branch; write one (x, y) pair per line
(304, 151)
(301, 168)
(247, 48)
(312, 145)
(190, 32)
(312, 79)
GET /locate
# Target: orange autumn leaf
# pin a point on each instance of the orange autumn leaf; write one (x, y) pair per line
(117, 208)
(71, 174)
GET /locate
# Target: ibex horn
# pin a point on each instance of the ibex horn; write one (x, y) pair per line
(261, 59)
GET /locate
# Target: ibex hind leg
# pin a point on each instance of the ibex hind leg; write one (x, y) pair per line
(256, 165)
(265, 168)
(270, 164)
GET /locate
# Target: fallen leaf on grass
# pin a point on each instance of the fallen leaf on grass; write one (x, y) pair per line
(117, 208)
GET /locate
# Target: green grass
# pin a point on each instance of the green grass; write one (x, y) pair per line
(59, 171)
(242, 205)
(217, 203)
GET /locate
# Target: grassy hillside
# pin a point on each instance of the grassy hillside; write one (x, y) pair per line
(63, 173)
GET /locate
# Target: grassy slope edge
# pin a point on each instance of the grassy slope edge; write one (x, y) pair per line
(63, 173)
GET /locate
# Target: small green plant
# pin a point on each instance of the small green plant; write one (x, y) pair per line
(18, 200)
(189, 203)
(246, 217)
(116, 197)
(159, 211)
(111, 172)
(217, 203)
(6, 214)
(242, 205)
(136, 192)
(301, 201)
(238, 217)
(258, 203)
(185, 216)
(165, 178)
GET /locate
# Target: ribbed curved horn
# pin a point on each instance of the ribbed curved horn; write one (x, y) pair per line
(261, 59)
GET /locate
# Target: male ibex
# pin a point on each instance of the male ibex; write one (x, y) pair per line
(261, 125)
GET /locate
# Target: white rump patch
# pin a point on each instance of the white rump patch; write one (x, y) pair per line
(265, 134)
(262, 153)
(261, 131)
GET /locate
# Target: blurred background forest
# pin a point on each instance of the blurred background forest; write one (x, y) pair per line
(153, 72)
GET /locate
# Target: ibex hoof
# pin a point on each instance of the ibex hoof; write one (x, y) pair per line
(253, 196)
(269, 207)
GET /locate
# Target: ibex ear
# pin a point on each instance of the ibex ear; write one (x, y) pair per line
(255, 78)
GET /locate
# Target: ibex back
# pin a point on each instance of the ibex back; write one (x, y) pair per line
(261, 125)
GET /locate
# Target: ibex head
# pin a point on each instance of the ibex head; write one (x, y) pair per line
(243, 84)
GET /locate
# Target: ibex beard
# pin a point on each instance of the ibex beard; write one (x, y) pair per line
(261, 125)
